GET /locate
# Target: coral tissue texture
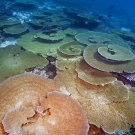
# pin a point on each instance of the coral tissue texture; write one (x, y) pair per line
(34, 105)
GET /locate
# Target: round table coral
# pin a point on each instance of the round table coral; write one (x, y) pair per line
(95, 60)
(31, 104)
(115, 52)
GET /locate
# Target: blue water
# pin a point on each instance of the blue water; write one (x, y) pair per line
(122, 13)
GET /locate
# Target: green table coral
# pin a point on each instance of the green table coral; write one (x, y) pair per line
(14, 61)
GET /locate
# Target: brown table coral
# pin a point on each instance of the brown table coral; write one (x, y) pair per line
(110, 107)
(35, 105)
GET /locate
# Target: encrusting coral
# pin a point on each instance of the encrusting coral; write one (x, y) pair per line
(35, 105)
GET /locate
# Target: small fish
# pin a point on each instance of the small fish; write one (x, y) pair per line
(111, 7)
(109, 15)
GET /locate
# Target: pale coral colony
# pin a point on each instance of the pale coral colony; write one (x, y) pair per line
(62, 71)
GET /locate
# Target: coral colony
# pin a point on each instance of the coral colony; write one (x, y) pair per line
(65, 69)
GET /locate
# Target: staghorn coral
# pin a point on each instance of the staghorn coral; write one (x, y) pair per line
(29, 99)
(96, 61)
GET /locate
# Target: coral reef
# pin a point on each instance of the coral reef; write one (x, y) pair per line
(39, 106)
(92, 57)
(15, 29)
(14, 60)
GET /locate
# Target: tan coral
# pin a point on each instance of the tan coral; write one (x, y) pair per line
(114, 92)
(98, 102)
(115, 52)
(91, 75)
(113, 116)
(106, 106)
(65, 116)
(27, 95)
(14, 119)
(29, 87)
(66, 76)
(92, 57)
(77, 87)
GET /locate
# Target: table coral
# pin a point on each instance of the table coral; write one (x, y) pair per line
(38, 105)
(96, 61)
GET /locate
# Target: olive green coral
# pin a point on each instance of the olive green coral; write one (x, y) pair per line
(15, 29)
(92, 37)
(115, 52)
(14, 61)
(95, 60)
